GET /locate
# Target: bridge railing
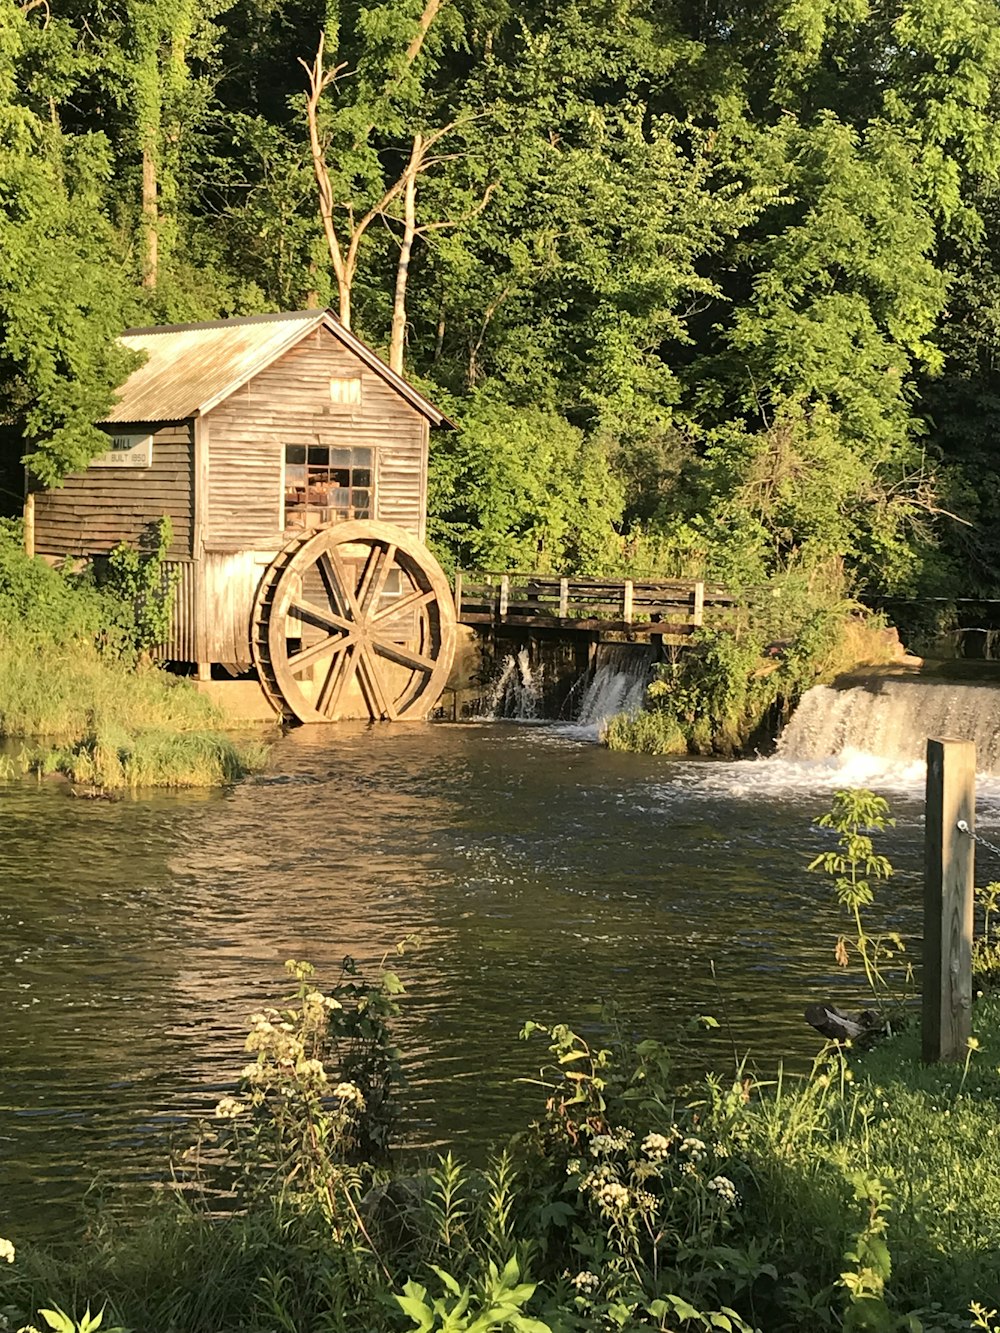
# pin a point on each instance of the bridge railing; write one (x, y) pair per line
(646, 606)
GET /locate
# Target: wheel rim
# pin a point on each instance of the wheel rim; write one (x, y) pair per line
(361, 623)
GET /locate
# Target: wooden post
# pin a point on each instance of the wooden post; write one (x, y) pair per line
(458, 594)
(627, 602)
(698, 613)
(948, 879)
(563, 598)
(504, 594)
(29, 524)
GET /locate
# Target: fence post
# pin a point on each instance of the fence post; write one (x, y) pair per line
(504, 594)
(698, 610)
(458, 594)
(948, 880)
(563, 598)
(627, 602)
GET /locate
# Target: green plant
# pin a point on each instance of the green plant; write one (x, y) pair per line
(139, 590)
(59, 1322)
(853, 866)
(498, 1305)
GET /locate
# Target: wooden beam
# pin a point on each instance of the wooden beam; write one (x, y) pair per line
(627, 601)
(698, 614)
(458, 594)
(563, 598)
(504, 595)
(948, 881)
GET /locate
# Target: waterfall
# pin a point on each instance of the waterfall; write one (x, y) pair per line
(517, 690)
(618, 684)
(892, 717)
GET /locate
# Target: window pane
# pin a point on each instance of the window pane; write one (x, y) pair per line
(361, 476)
(361, 458)
(295, 453)
(361, 499)
(340, 476)
(319, 454)
(340, 458)
(294, 476)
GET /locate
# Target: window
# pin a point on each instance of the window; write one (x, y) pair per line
(324, 484)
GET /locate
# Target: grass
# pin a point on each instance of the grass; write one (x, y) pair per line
(930, 1133)
(114, 725)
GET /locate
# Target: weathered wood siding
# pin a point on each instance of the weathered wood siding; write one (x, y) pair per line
(181, 644)
(229, 586)
(290, 403)
(96, 509)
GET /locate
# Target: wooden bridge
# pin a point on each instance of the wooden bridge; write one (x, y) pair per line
(645, 608)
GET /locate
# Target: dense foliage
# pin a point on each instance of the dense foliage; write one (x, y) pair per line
(708, 288)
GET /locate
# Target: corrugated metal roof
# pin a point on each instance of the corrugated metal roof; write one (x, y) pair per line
(191, 368)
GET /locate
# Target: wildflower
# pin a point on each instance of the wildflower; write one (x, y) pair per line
(726, 1190)
(586, 1283)
(612, 1196)
(602, 1144)
(657, 1146)
(228, 1108)
(349, 1092)
(6, 1250)
(694, 1148)
(574, 1166)
(313, 1069)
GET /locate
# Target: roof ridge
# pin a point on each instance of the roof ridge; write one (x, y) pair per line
(274, 317)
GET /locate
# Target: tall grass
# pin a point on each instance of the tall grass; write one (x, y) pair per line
(117, 725)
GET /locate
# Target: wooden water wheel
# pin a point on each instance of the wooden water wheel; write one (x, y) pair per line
(355, 620)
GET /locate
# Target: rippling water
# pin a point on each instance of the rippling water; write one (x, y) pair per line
(542, 873)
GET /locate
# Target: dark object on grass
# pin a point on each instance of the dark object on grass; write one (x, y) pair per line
(865, 1027)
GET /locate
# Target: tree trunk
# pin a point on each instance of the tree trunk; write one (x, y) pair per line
(398, 338)
(150, 219)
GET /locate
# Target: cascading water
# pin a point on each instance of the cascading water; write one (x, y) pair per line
(516, 693)
(891, 717)
(618, 684)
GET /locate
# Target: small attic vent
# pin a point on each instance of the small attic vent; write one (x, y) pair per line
(345, 393)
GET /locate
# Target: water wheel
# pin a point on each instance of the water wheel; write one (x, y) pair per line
(354, 620)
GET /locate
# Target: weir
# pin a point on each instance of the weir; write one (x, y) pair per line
(526, 685)
(892, 716)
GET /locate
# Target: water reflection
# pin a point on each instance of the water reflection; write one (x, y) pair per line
(542, 874)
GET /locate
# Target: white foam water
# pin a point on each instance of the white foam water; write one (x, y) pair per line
(892, 717)
(516, 693)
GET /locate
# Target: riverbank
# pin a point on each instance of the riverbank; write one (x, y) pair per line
(863, 1196)
(81, 695)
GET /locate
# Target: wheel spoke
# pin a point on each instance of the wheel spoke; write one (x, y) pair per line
(379, 703)
(315, 615)
(373, 580)
(340, 578)
(407, 603)
(334, 582)
(298, 661)
(338, 678)
(396, 652)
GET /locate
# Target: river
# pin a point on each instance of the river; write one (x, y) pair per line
(542, 873)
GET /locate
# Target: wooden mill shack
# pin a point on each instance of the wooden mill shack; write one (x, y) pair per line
(292, 464)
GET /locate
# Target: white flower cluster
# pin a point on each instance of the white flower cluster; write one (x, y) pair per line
(228, 1108)
(603, 1144)
(657, 1146)
(6, 1250)
(612, 1196)
(349, 1092)
(693, 1148)
(726, 1190)
(586, 1283)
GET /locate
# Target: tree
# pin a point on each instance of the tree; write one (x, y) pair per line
(62, 293)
